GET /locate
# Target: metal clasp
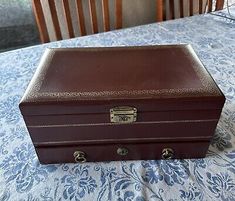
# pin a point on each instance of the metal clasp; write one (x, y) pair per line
(124, 114)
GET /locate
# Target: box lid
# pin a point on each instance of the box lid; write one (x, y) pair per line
(93, 80)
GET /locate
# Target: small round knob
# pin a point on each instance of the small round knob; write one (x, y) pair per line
(122, 151)
(79, 157)
(167, 153)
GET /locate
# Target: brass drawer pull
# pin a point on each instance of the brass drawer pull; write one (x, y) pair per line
(167, 153)
(122, 151)
(79, 157)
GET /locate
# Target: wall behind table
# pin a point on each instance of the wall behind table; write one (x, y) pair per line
(17, 25)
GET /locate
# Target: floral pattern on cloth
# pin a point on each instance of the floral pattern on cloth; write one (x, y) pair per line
(23, 178)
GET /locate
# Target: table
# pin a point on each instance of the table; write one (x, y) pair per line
(212, 178)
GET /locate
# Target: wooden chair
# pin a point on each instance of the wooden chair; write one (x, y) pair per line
(161, 8)
(40, 16)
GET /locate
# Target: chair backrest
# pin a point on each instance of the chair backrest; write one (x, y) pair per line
(41, 16)
(179, 5)
(164, 11)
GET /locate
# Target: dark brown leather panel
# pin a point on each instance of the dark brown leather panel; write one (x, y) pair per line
(139, 131)
(120, 69)
(141, 117)
(109, 152)
(142, 105)
(123, 141)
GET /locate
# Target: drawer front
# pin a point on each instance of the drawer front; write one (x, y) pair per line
(117, 152)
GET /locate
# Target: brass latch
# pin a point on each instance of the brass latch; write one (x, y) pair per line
(123, 114)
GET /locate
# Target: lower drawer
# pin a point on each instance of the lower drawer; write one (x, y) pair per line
(116, 152)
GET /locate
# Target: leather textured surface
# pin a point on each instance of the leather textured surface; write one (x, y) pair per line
(190, 130)
(93, 77)
(66, 106)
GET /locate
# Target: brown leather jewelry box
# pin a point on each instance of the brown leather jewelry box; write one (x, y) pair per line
(121, 103)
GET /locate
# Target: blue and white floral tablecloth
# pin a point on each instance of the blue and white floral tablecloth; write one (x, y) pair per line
(212, 178)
